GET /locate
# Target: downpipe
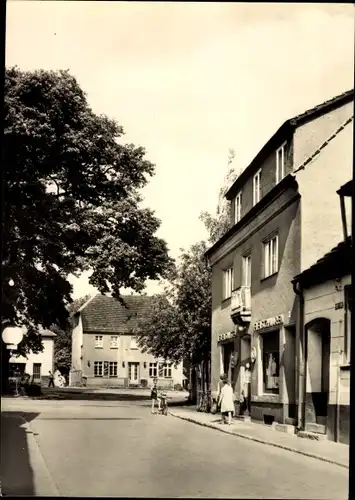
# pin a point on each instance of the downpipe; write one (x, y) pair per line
(301, 357)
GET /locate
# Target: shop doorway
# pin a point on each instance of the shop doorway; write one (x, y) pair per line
(317, 370)
(227, 352)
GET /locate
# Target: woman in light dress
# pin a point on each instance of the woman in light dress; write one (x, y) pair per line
(226, 401)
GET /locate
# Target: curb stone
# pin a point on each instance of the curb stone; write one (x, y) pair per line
(52, 485)
(259, 440)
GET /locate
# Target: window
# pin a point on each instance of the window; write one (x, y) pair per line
(36, 370)
(271, 361)
(257, 187)
(113, 369)
(246, 271)
(238, 208)
(134, 344)
(271, 256)
(280, 163)
(99, 341)
(167, 370)
(113, 342)
(153, 369)
(98, 368)
(347, 333)
(227, 283)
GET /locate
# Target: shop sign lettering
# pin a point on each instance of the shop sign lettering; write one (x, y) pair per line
(226, 336)
(267, 323)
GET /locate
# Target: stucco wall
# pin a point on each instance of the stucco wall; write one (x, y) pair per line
(320, 302)
(123, 353)
(319, 181)
(270, 297)
(45, 358)
(77, 342)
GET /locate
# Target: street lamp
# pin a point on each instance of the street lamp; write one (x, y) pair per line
(12, 336)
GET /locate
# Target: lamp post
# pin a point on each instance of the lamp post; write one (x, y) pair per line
(12, 336)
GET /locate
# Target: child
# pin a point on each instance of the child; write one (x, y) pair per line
(226, 401)
(154, 395)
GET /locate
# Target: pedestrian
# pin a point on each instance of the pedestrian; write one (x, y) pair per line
(154, 395)
(51, 379)
(226, 401)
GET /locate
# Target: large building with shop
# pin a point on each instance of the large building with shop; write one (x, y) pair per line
(285, 216)
(105, 350)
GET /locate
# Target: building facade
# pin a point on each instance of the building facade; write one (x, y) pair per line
(36, 365)
(285, 215)
(105, 350)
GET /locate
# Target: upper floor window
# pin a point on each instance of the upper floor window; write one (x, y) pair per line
(257, 187)
(227, 283)
(246, 270)
(99, 341)
(280, 163)
(113, 342)
(133, 344)
(271, 256)
(238, 208)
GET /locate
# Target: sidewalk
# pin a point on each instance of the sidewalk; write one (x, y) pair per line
(327, 451)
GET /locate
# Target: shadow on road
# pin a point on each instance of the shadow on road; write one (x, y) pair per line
(16, 470)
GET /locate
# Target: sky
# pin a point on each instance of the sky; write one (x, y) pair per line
(189, 81)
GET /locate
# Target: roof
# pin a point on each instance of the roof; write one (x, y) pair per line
(347, 189)
(107, 314)
(332, 265)
(285, 131)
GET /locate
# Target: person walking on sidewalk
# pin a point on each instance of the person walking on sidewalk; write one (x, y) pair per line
(51, 379)
(226, 401)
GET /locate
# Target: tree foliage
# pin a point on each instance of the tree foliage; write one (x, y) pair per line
(71, 202)
(179, 323)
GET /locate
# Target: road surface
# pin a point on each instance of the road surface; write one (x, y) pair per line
(117, 448)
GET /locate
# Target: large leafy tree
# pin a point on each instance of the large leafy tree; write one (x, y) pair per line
(71, 202)
(178, 326)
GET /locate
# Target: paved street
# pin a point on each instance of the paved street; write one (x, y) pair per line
(117, 448)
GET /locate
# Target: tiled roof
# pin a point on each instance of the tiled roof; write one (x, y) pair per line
(332, 265)
(106, 314)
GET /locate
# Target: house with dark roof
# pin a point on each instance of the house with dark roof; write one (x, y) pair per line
(284, 217)
(36, 365)
(105, 350)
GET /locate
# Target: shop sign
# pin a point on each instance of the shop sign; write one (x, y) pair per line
(269, 322)
(226, 336)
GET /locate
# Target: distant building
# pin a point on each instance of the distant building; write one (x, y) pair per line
(36, 365)
(105, 350)
(285, 216)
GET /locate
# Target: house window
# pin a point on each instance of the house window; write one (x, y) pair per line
(227, 283)
(271, 256)
(347, 333)
(270, 361)
(98, 368)
(99, 341)
(246, 270)
(133, 344)
(153, 370)
(113, 369)
(113, 342)
(238, 208)
(36, 370)
(257, 187)
(167, 370)
(280, 163)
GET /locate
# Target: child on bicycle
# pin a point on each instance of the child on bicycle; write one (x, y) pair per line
(154, 395)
